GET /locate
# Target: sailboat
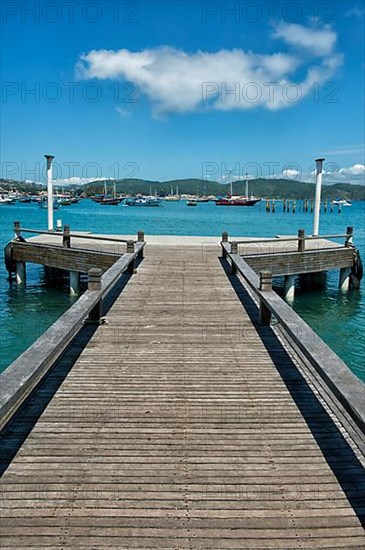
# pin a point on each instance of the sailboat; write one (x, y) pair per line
(111, 201)
(237, 200)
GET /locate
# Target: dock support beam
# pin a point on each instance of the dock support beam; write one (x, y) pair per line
(74, 282)
(289, 288)
(344, 284)
(265, 286)
(20, 273)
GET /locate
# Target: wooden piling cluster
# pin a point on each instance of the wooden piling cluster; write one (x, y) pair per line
(293, 205)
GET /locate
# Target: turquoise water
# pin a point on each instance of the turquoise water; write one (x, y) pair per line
(25, 313)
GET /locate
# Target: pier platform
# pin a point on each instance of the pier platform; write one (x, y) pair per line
(186, 420)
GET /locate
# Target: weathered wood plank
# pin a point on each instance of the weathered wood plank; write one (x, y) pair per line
(171, 433)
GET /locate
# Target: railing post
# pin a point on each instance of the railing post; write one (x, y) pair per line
(140, 239)
(224, 240)
(265, 286)
(66, 240)
(349, 236)
(301, 240)
(130, 250)
(17, 230)
(94, 284)
(234, 250)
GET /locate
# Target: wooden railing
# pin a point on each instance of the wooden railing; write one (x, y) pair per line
(25, 373)
(300, 239)
(66, 235)
(347, 390)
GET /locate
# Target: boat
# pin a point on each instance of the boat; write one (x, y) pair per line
(143, 201)
(64, 202)
(342, 202)
(25, 199)
(6, 200)
(191, 202)
(231, 200)
(237, 201)
(44, 204)
(109, 201)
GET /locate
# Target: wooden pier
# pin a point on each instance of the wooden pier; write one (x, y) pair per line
(178, 417)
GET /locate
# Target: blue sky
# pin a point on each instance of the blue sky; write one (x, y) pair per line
(162, 90)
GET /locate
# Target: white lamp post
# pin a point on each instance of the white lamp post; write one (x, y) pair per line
(317, 201)
(49, 159)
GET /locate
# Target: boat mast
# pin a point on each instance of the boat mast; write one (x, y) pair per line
(246, 186)
(230, 180)
(114, 191)
(105, 189)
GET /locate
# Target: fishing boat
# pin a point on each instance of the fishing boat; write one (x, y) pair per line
(342, 202)
(192, 202)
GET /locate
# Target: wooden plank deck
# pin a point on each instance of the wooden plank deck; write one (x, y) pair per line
(184, 425)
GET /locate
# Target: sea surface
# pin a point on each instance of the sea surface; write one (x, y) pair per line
(339, 318)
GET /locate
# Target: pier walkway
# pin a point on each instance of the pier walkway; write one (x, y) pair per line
(185, 424)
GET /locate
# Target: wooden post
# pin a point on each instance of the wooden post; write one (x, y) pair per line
(234, 250)
(265, 286)
(224, 240)
(66, 240)
(349, 236)
(17, 229)
(140, 239)
(130, 250)
(94, 284)
(301, 240)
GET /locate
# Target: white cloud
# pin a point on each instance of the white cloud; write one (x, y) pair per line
(291, 174)
(355, 170)
(178, 81)
(317, 41)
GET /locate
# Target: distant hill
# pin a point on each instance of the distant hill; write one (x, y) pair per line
(273, 188)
